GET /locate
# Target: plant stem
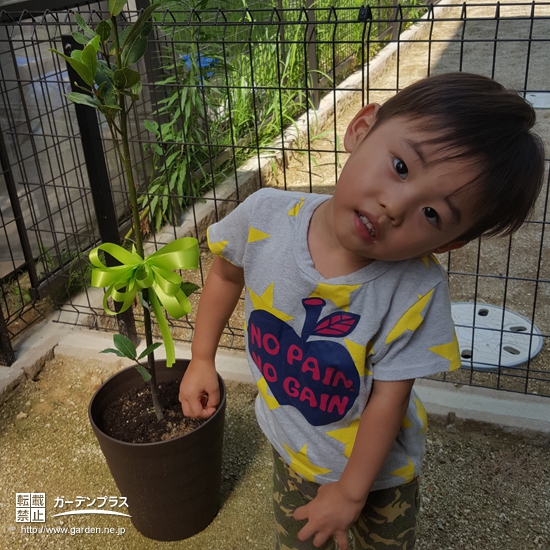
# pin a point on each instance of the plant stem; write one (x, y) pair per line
(125, 158)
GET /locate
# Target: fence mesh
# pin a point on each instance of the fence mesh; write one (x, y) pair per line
(237, 99)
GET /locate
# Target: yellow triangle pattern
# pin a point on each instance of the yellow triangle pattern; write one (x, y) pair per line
(359, 355)
(295, 209)
(271, 402)
(422, 415)
(215, 247)
(338, 294)
(265, 302)
(406, 472)
(302, 465)
(449, 351)
(411, 319)
(346, 436)
(426, 260)
(255, 235)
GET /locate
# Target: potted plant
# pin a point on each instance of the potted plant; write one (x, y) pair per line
(172, 486)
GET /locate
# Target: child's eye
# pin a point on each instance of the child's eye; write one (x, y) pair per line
(431, 215)
(401, 168)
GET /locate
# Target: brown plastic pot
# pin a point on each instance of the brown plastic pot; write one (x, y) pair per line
(172, 487)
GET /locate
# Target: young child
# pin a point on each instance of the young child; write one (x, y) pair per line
(346, 304)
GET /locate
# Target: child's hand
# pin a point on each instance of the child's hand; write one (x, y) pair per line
(330, 514)
(199, 390)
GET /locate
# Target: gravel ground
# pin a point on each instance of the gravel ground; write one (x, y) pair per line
(482, 489)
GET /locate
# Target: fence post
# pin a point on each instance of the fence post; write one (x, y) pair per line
(7, 356)
(395, 25)
(312, 54)
(98, 176)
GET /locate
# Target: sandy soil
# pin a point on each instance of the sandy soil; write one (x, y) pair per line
(482, 489)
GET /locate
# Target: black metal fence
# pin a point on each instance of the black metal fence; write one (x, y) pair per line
(243, 98)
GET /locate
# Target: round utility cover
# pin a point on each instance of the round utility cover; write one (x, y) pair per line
(490, 336)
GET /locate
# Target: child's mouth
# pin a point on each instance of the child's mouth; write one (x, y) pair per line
(366, 222)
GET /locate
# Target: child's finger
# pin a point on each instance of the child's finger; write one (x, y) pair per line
(342, 540)
(306, 532)
(300, 513)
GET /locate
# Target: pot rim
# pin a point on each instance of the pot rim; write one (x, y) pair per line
(218, 410)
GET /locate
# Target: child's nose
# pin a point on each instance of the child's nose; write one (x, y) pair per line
(394, 207)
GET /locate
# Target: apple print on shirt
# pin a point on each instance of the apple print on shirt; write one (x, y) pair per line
(317, 377)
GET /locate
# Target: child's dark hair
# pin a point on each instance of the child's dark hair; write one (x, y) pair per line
(474, 117)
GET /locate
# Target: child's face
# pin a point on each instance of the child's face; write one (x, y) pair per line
(392, 202)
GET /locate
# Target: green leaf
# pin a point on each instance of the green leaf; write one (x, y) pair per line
(111, 350)
(81, 69)
(125, 345)
(95, 42)
(104, 80)
(136, 90)
(125, 78)
(135, 45)
(82, 99)
(80, 38)
(110, 111)
(149, 350)
(106, 92)
(89, 58)
(104, 29)
(116, 6)
(171, 159)
(188, 288)
(88, 33)
(154, 203)
(151, 126)
(144, 373)
(137, 27)
(121, 39)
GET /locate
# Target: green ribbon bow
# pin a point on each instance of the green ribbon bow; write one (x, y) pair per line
(155, 273)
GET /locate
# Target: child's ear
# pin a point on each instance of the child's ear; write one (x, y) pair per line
(360, 125)
(454, 245)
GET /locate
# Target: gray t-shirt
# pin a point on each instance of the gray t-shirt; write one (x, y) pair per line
(315, 345)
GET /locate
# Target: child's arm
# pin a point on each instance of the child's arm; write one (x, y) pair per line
(339, 504)
(199, 389)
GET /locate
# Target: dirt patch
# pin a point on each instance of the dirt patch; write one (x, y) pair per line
(131, 417)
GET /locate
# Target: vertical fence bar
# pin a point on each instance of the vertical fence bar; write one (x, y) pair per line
(313, 63)
(281, 33)
(18, 215)
(7, 356)
(395, 26)
(98, 175)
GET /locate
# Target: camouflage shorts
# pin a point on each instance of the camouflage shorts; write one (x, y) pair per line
(387, 522)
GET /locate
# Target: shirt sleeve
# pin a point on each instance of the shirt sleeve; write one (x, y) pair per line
(228, 237)
(417, 340)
